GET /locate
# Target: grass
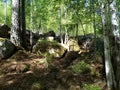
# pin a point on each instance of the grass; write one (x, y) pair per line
(91, 87)
(80, 67)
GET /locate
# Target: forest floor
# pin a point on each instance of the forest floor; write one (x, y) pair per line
(27, 73)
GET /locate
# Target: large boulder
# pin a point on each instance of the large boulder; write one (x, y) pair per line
(53, 48)
(4, 31)
(6, 48)
(73, 45)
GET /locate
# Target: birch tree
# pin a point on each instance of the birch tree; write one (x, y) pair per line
(115, 45)
(108, 63)
(111, 45)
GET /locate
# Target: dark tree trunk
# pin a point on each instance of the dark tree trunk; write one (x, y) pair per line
(15, 28)
(23, 23)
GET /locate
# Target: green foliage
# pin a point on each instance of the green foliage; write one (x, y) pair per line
(91, 87)
(80, 67)
(46, 15)
(8, 16)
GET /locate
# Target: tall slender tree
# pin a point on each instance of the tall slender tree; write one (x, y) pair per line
(115, 37)
(60, 23)
(15, 28)
(5, 10)
(111, 45)
(108, 64)
(31, 23)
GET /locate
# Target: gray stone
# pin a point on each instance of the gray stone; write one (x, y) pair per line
(6, 48)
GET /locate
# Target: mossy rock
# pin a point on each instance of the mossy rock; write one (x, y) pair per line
(6, 48)
(73, 45)
(2, 39)
(51, 47)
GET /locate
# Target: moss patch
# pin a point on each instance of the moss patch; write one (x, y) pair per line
(2, 39)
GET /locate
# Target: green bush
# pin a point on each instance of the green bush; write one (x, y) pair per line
(91, 87)
(80, 67)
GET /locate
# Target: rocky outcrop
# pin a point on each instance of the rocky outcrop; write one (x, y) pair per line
(51, 47)
(6, 48)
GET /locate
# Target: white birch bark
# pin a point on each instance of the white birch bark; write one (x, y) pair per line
(66, 31)
(114, 18)
(107, 53)
(115, 48)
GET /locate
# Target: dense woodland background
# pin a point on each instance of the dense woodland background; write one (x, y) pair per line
(59, 45)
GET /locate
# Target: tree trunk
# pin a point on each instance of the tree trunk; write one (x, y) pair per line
(15, 29)
(5, 11)
(115, 46)
(23, 24)
(66, 31)
(77, 22)
(60, 27)
(31, 24)
(82, 26)
(108, 64)
(94, 23)
(35, 14)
